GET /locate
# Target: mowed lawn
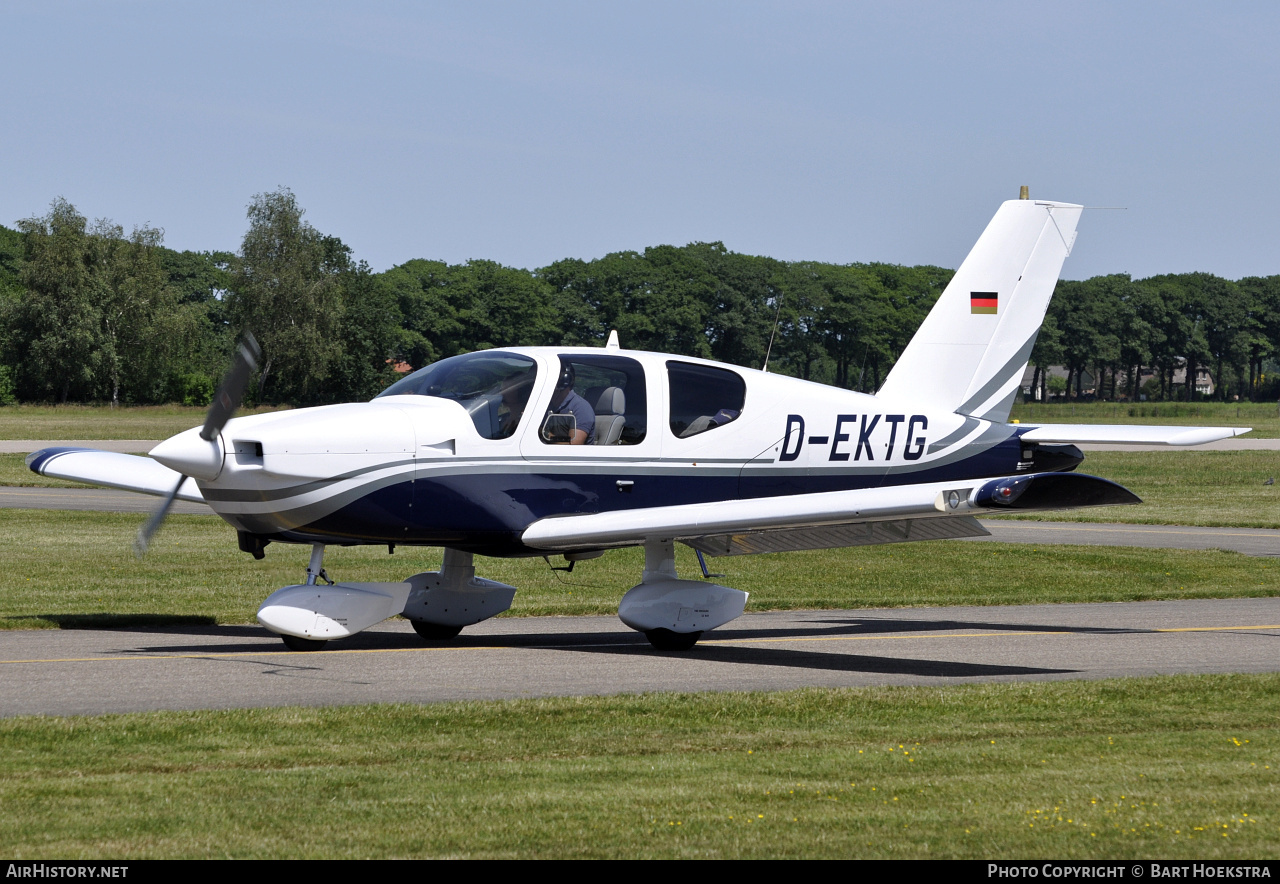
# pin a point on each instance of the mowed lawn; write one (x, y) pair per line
(1209, 488)
(1178, 487)
(1263, 417)
(101, 422)
(162, 421)
(67, 569)
(1174, 767)
(64, 568)
(1187, 487)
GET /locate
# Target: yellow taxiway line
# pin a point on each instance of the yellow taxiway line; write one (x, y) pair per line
(1083, 631)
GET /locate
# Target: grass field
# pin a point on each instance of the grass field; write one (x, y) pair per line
(100, 422)
(1264, 417)
(1188, 487)
(1209, 488)
(1176, 767)
(68, 569)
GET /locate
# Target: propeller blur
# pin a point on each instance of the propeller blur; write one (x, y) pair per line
(225, 402)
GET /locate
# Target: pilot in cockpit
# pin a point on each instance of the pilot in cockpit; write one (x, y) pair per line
(565, 401)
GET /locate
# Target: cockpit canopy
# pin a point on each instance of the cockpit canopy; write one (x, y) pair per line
(493, 386)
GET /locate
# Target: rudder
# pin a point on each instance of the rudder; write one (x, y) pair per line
(970, 352)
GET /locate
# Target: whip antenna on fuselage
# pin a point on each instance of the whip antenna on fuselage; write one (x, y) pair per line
(769, 349)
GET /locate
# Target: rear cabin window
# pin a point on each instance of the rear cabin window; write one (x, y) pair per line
(613, 390)
(703, 398)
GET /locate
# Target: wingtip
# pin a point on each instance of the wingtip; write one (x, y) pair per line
(37, 459)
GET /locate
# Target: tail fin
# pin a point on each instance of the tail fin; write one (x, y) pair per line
(972, 349)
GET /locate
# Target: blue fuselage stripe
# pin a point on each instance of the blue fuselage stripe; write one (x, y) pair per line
(488, 512)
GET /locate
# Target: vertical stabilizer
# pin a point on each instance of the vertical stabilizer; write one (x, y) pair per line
(972, 349)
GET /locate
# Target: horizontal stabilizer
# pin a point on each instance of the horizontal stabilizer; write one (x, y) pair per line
(110, 469)
(1130, 435)
(1045, 492)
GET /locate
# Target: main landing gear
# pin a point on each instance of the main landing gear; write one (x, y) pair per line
(434, 632)
(672, 613)
(666, 640)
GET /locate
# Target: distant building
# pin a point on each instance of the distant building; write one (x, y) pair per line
(1088, 384)
(1204, 378)
(1205, 384)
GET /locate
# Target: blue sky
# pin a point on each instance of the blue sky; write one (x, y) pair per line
(528, 132)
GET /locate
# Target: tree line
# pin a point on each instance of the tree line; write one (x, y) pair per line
(1116, 327)
(92, 314)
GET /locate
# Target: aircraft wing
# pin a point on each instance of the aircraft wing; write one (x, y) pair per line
(1118, 434)
(128, 472)
(928, 511)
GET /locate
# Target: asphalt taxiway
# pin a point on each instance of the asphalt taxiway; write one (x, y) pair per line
(106, 500)
(1250, 541)
(66, 672)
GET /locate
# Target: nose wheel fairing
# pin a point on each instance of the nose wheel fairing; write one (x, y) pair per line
(321, 613)
(439, 603)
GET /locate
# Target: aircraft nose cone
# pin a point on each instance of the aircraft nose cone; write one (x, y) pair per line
(190, 455)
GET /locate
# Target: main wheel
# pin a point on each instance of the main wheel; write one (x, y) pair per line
(293, 643)
(434, 632)
(666, 640)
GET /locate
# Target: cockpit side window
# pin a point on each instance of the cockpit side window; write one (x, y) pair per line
(703, 397)
(605, 396)
(493, 386)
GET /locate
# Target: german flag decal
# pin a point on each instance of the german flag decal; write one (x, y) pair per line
(983, 302)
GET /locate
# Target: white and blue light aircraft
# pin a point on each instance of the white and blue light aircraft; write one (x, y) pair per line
(473, 454)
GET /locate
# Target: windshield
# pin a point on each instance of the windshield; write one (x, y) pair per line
(493, 386)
